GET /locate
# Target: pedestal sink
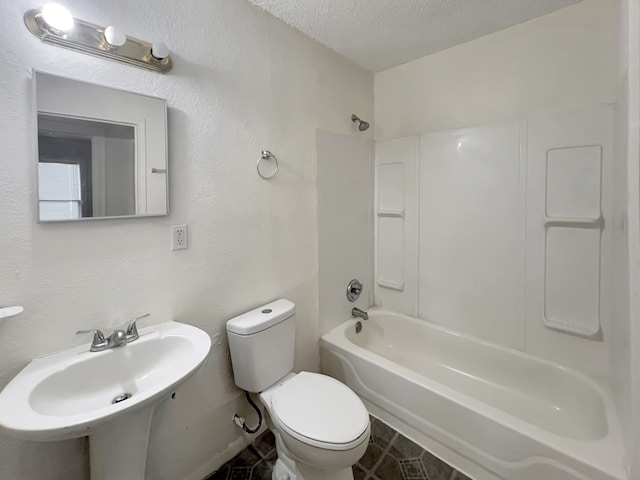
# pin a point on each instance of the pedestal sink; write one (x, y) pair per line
(109, 396)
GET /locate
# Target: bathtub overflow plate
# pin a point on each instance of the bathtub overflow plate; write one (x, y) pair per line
(121, 398)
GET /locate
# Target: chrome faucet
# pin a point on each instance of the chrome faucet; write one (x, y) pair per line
(356, 312)
(99, 343)
(116, 339)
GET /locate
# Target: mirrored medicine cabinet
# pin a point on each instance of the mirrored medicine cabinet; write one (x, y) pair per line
(102, 152)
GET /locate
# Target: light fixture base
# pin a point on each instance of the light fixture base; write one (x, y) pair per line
(88, 38)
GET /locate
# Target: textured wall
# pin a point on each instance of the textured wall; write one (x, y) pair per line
(380, 34)
(242, 81)
(561, 61)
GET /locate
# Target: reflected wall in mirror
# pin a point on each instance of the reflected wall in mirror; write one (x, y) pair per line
(102, 152)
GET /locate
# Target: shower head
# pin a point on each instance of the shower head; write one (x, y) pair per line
(362, 124)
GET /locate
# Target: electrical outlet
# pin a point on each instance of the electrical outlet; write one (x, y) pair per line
(179, 237)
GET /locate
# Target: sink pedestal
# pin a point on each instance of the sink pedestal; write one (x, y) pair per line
(71, 394)
(118, 450)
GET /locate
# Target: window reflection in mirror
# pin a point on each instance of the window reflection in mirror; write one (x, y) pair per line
(101, 151)
(86, 168)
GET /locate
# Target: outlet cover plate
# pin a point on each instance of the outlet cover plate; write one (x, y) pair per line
(179, 237)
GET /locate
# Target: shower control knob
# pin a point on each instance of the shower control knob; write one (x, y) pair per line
(354, 289)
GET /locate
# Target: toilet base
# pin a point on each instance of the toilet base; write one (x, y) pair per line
(282, 472)
(286, 469)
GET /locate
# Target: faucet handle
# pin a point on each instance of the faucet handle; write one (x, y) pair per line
(99, 342)
(132, 329)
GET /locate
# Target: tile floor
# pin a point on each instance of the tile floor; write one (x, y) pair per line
(390, 456)
(253, 463)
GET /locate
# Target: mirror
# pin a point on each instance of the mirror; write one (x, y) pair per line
(102, 152)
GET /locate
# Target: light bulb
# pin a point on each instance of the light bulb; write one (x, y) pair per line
(114, 36)
(57, 17)
(159, 50)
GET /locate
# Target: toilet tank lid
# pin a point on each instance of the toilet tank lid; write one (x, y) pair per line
(262, 317)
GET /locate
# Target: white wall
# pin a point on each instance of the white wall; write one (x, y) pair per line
(538, 73)
(345, 181)
(472, 231)
(621, 325)
(631, 12)
(396, 225)
(568, 237)
(512, 248)
(242, 81)
(561, 61)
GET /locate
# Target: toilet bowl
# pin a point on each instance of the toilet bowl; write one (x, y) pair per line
(321, 426)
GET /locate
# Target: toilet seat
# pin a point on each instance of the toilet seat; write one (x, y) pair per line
(320, 411)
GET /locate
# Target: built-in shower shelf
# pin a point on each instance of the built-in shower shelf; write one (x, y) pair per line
(392, 178)
(589, 331)
(7, 312)
(392, 285)
(391, 213)
(573, 225)
(574, 222)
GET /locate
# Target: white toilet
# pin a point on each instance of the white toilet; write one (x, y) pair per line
(321, 426)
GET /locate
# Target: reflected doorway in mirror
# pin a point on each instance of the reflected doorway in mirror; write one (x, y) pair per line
(102, 152)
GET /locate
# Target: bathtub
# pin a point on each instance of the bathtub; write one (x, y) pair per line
(489, 411)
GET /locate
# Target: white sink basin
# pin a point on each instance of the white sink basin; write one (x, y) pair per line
(65, 395)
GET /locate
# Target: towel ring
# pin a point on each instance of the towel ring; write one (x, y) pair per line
(267, 155)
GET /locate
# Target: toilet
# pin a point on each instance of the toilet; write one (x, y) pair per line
(321, 426)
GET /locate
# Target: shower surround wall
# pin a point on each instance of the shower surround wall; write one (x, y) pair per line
(242, 81)
(626, 343)
(490, 121)
(345, 238)
(482, 192)
(497, 130)
(511, 248)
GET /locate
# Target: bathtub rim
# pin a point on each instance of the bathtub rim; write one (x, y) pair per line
(586, 450)
(594, 381)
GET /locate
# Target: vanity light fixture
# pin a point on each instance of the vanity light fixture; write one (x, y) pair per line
(55, 25)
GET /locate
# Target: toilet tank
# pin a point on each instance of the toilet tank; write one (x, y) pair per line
(262, 344)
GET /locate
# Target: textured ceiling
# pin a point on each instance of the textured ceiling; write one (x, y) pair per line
(379, 34)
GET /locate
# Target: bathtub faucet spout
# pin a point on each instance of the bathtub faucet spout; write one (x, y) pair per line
(356, 312)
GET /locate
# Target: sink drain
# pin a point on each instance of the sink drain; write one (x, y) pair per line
(121, 398)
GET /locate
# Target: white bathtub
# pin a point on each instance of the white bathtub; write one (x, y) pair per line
(492, 412)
